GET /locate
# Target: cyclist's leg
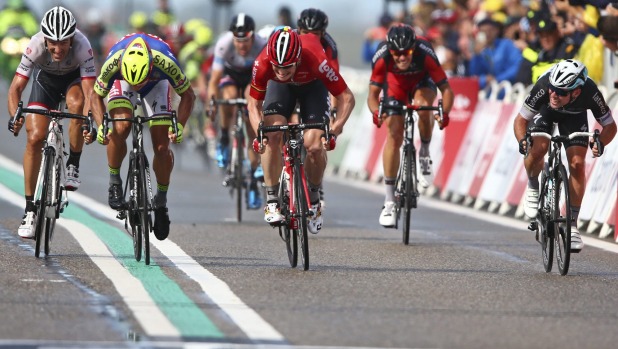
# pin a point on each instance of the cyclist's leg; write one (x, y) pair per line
(390, 162)
(535, 161)
(75, 105)
(254, 200)
(119, 106)
(278, 105)
(425, 95)
(228, 89)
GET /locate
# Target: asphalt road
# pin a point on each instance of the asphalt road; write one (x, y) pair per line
(466, 280)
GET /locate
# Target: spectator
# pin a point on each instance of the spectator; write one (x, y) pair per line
(554, 48)
(374, 36)
(497, 59)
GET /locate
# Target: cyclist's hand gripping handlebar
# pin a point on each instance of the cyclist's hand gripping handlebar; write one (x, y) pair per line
(17, 120)
(260, 142)
(88, 129)
(596, 143)
(104, 130)
(175, 131)
(329, 140)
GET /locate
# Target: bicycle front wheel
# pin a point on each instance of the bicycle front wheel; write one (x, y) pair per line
(133, 207)
(239, 176)
(42, 201)
(143, 205)
(55, 196)
(287, 234)
(409, 188)
(562, 220)
(300, 201)
(544, 227)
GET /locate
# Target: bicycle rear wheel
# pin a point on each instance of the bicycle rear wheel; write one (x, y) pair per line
(143, 205)
(133, 207)
(544, 227)
(562, 220)
(47, 166)
(300, 201)
(55, 197)
(287, 234)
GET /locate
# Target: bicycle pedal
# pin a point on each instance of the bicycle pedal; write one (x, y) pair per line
(122, 215)
(533, 226)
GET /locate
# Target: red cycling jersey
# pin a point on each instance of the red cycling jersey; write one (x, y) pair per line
(313, 65)
(400, 83)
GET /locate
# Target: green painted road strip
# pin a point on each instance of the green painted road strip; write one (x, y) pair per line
(182, 312)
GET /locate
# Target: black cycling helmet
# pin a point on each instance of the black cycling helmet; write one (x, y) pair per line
(312, 19)
(400, 37)
(242, 25)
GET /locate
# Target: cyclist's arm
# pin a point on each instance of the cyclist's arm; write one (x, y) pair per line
(373, 98)
(213, 84)
(16, 89)
(448, 96)
(97, 105)
(87, 87)
(185, 107)
(256, 113)
(520, 126)
(345, 104)
(608, 133)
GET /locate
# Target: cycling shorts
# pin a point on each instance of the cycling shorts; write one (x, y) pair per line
(567, 124)
(157, 100)
(398, 93)
(313, 99)
(48, 89)
(232, 77)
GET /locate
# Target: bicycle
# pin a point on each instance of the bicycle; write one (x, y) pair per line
(136, 211)
(406, 182)
(50, 196)
(553, 221)
(234, 174)
(293, 194)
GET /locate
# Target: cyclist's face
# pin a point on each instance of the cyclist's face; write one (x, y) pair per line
(560, 98)
(58, 49)
(284, 73)
(243, 46)
(402, 59)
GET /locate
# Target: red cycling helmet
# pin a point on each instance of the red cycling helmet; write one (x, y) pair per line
(284, 47)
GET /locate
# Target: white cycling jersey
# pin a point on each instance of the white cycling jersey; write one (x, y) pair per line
(226, 56)
(36, 56)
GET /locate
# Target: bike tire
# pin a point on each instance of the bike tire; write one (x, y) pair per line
(143, 206)
(285, 231)
(50, 224)
(49, 154)
(546, 233)
(133, 207)
(239, 176)
(408, 186)
(562, 221)
(302, 207)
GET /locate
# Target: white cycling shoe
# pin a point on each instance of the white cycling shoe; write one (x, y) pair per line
(272, 213)
(316, 221)
(387, 216)
(576, 240)
(531, 202)
(26, 228)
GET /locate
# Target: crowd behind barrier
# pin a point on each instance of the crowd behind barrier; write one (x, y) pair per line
(476, 158)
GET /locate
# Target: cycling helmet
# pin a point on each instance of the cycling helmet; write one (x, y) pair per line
(568, 74)
(58, 24)
(242, 26)
(312, 19)
(136, 61)
(284, 47)
(400, 37)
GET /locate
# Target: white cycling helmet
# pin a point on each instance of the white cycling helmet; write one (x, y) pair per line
(58, 24)
(568, 74)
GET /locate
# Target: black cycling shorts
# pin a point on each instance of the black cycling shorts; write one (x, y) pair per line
(567, 124)
(48, 90)
(313, 99)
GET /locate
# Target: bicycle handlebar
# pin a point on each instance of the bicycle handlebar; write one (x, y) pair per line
(402, 108)
(52, 114)
(295, 127)
(169, 116)
(562, 139)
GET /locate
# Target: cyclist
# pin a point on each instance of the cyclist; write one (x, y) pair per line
(315, 21)
(562, 95)
(295, 68)
(59, 58)
(230, 75)
(141, 64)
(405, 67)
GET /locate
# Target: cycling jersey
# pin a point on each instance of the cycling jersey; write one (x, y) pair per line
(227, 58)
(400, 83)
(330, 47)
(79, 57)
(312, 65)
(589, 99)
(164, 67)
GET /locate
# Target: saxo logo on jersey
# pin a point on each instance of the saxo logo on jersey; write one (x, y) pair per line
(330, 73)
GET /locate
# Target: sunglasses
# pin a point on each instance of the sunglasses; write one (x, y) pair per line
(285, 67)
(395, 53)
(560, 92)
